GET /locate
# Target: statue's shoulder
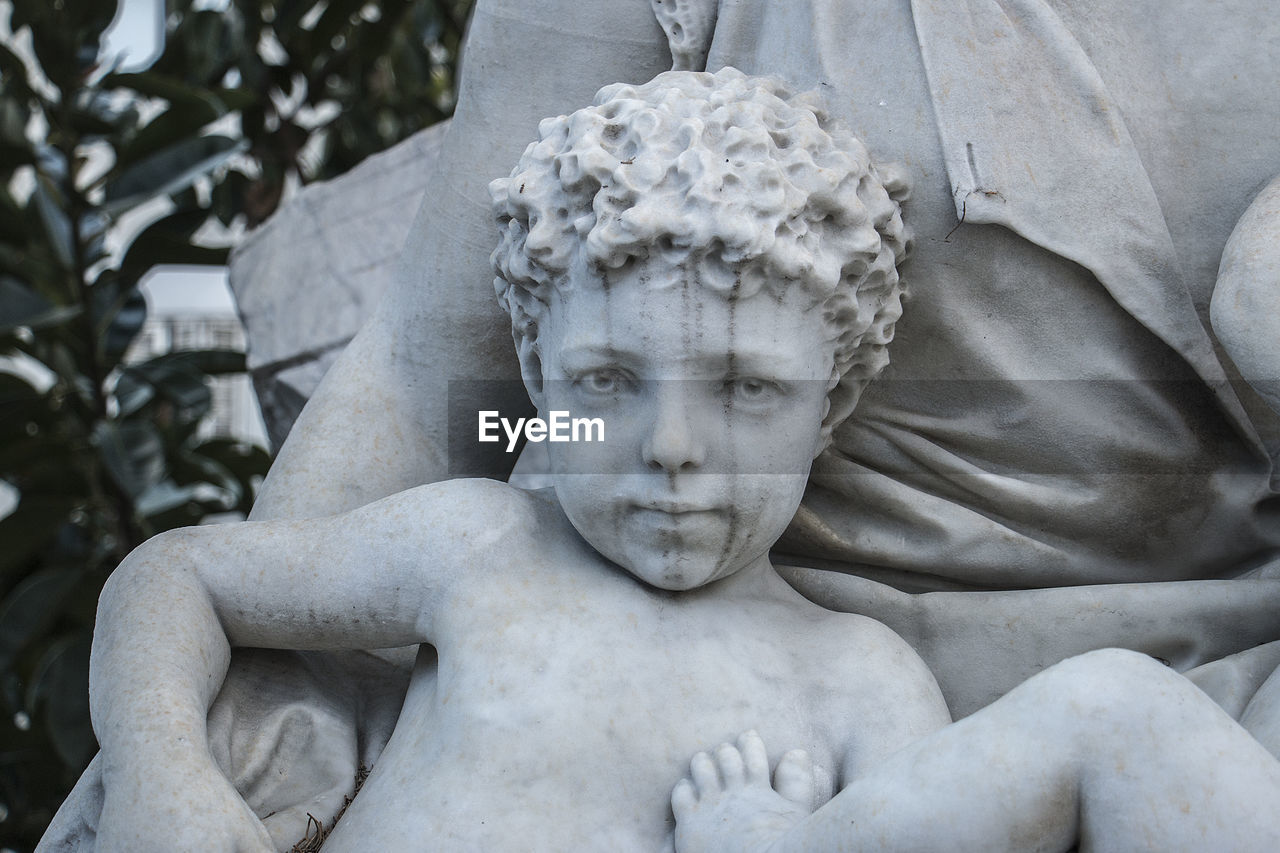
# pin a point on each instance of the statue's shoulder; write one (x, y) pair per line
(475, 512)
(879, 691)
(868, 651)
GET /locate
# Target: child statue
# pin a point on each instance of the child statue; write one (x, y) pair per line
(709, 266)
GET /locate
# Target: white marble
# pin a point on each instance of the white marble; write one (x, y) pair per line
(1105, 751)
(589, 636)
(1246, 299)
(307, 279)
(1053, 463)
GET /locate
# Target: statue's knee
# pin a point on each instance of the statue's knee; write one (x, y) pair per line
(1111, 683)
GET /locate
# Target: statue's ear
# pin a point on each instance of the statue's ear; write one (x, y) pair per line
(526, 338)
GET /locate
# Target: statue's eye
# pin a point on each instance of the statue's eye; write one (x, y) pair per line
(750, 389)
(601, 382)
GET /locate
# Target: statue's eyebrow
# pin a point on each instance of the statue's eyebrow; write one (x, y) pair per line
(602, 351)
(748, 359)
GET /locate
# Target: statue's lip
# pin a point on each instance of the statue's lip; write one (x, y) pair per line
(672, 507)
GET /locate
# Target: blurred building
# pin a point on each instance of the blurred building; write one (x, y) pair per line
(178, 327)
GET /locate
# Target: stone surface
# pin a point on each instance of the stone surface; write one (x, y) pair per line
(1246, 300)
(636, 598)
(1077, 757)
(308, 278)
(1054, 463)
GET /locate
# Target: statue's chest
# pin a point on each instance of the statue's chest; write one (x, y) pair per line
(597, 670)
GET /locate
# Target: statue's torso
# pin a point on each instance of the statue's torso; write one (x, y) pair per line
(568, 700)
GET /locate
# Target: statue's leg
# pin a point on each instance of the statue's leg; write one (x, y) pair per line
(1111, 750)
(1261, 716)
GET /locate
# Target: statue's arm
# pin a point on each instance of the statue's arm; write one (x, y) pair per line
(171, 612)
(379, 423)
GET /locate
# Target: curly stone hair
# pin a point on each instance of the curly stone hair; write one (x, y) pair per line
(695, 165)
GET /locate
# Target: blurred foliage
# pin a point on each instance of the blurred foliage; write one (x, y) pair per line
(102, 453)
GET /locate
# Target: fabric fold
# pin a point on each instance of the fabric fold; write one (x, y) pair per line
(1033, 141)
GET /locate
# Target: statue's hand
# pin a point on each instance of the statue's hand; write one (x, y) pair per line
(183, 806)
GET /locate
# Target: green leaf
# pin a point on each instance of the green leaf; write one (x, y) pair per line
(170, 170)
(15, 73)
(246, 462)
(164, 497)
(36, 264)
(60, 693)
(335, 19)
(90, 125)
(60, 356)
(31, 609)
(132, 393)
(124, 327)
(133, 454)
(12, 156)
(93, 237)
(289, 14)
(118, 315)
(15, 391)
(90, 18)
(179, 515)
(178, 381)
(237, 98)
(229, 196)
(177, 92)
(22, 306)
(190, 468)
(57, 225)
(206, 36)
(111, 113)
(54, 51)
(168, 241)
(13, 134)
(13, 219)
(182, 121)
(29, 528)
(217, 101)
(210, 362)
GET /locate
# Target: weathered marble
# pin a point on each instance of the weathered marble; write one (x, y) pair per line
(1108, 750)
(1056, 462)
(589, 636)
(1246, 300)
(307, 279)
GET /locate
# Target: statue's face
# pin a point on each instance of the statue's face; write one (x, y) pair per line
(711, 407)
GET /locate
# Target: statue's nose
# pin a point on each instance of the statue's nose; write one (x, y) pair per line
(673, 444)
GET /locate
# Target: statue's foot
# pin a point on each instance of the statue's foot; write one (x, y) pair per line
(728, 804)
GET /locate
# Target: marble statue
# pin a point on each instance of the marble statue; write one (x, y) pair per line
(1059, 459)
(592, 637)
(1058, 434)
(709, 266)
